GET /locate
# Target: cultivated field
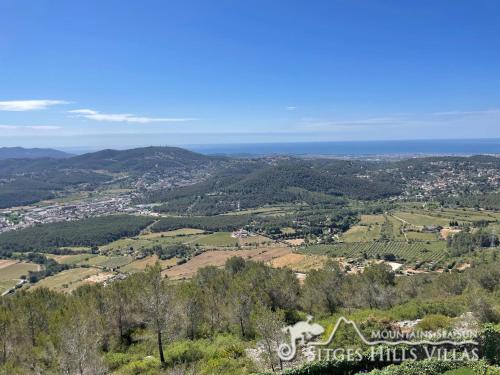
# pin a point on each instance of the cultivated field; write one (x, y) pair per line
(141, 264)
(409, 252)
(11, 271)
(71, 259)
(173, 233)
(217, 239)
(68, 280)
(299, 262)
(103, 261)
(218, 258)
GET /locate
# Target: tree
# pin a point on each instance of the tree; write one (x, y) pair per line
(268, 326)
(156, 304)
(376, 286)
(79, 340)
(212, 283)
(119, 304)
(6, 319)
(322, 289)
(241, 299)
(192, 305)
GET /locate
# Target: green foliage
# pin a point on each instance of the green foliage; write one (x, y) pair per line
(490, 341)
(312, 182)
(86, 232)
(402, 250)
(434, 322)
(427, 367)
(147, 366)
(466, 242)
(208, 223)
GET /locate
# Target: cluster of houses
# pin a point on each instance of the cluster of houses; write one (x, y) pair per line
(450, 180)
(241, 233)
(29, 216)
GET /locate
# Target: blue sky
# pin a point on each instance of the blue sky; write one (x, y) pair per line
(121, 73)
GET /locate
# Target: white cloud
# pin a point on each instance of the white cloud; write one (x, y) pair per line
(291, 108)
(404, 121)
(32, 127)
(466, 113)
(28, 105)
(124, 117)
(44, 127)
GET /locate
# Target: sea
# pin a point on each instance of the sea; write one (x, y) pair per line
(357, 148)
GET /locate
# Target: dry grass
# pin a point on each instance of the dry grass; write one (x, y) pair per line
(141, 264)
(5, 263)
(67, 281)
(252, 240)
(219, 257)
(99, 278)
(295, 242)
(11, 271)
(372, 219)
(300, 262)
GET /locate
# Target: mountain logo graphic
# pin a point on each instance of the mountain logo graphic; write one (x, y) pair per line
(304, 331)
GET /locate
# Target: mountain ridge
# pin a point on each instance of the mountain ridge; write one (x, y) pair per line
(7, 153)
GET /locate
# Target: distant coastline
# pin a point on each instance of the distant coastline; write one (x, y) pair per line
(403, 148)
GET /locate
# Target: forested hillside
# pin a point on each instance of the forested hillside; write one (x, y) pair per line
(87, 232)
(285, 182)
(25, 181)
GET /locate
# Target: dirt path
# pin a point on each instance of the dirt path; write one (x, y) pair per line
(403, 228)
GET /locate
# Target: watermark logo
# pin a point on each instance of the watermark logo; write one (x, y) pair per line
(304, 331)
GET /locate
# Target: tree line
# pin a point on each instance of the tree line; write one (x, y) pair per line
(148, 323)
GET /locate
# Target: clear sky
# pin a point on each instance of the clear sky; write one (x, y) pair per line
(118, 73)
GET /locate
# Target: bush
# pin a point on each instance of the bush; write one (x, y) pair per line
(490, 343)
(116, 360)
(435, 322)
(427, 367)
(183, 352)
(146, 366)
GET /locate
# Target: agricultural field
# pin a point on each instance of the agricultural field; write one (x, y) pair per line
(217, 239)
(362, 233)
(442, 216)
(11, 271)
(299, 262)
(172, 233)
(69, 280)
(266, 211)
(419, 219)
(103, 261)
(409, 252)
(218, 258)
(372, 219)
(148, 241)
(71, 259)
(141, 264)
(421, 236)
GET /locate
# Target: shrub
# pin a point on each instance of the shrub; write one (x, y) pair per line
(146, 366)
(435, 322)
(183, 352)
